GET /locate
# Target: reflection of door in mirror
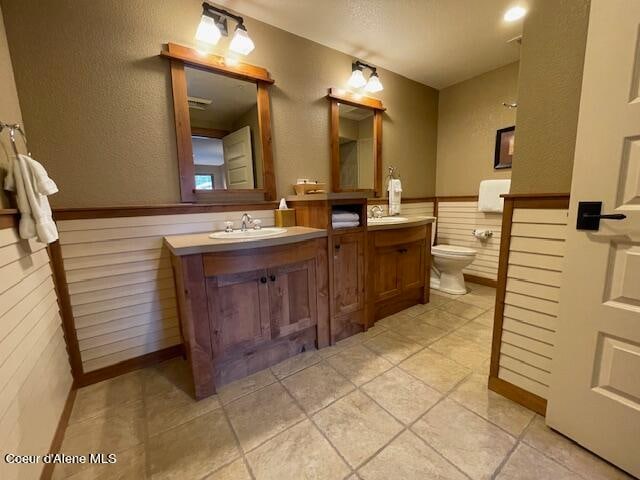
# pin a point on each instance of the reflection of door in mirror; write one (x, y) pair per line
(225, 137)
(356, 147)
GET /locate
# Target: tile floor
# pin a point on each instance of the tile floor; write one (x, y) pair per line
(406, 400)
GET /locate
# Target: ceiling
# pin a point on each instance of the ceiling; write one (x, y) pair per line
(230, 98)
(435, 42)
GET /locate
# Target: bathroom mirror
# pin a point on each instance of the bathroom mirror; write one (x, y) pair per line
(223, 128)
(356, 143)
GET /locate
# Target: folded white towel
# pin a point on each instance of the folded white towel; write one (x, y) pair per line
(31, 184)
(395, 196)
(342, 216)
(345, 224)
(489, 199)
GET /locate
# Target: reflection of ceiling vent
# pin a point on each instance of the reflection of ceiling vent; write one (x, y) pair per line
(198, 103)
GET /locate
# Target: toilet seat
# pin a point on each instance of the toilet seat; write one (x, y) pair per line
(452, 251)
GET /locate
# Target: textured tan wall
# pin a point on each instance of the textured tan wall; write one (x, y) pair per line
(97, 100)
(469, 113)
(9, 109)
(551, 63)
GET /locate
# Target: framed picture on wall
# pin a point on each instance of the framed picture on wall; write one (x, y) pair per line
(504, 147)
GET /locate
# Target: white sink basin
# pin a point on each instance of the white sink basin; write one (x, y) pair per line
(248, 234)
(383, 220)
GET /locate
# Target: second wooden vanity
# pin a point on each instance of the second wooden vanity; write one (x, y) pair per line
(245, 306)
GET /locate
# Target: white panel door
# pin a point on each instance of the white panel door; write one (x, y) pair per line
(594, 394)
(238, 159)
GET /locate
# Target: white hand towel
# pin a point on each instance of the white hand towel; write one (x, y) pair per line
(336, 225)
(489, 199)
(31, 184)
(342, 216)
(395, 196)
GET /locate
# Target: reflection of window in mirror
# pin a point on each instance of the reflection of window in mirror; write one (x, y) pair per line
(356, 147)
(225, 137)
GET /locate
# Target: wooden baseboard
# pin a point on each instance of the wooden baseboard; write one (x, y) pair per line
(480, 280)
(56, 442)
(130, 365)
(518, 395)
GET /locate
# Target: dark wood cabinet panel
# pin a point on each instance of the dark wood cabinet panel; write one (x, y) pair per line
(412, 265)
(292, 298)
(348, 267)
(386, 273)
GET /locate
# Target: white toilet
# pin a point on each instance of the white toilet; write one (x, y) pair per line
(447, 262)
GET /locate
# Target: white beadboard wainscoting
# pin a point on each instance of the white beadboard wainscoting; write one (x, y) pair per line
(408, 208)
(120, 281)
(35, 376)
(456, 222)
(531, 300)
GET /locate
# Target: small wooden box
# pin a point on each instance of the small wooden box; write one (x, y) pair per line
(285, 218)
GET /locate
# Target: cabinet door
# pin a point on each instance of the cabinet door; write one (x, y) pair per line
(412, 265)
(239, 311)
(386, 272)
(292, 298)
(348, 273)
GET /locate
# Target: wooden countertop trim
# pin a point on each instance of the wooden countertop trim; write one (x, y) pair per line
(201, 243)
(535, 195)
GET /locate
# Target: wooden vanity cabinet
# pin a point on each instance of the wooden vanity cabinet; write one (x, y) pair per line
(245, 310)
(398, 264)
(348, 299)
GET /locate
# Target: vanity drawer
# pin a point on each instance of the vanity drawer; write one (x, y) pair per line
(224, 263)
(399, 236)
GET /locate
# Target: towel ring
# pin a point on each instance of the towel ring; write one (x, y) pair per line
(13, 128)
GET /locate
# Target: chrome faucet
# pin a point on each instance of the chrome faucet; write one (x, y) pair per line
(376, 211)
(246, 220)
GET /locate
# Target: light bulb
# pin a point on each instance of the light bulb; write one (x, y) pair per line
(208, 31)
(514, 13)
(357, 80)
(241, 42)
(374, 84)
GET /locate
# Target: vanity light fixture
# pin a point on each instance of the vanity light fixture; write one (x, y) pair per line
(357, 79)
(213, 25)
(514, 13)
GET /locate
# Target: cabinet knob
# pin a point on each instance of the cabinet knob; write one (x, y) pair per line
(272, 278)
(337, 247)
(263, 279)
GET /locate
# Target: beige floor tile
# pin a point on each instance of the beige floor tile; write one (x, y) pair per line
(342, 345)
(234, 471)
(526, 463)
(167, 376)
(435, 370)
(402, 395)
(192, 449)
(167, 410)
(298, 453)
(296, 363)
(359, 364)
(317, 386)
(418, 309)
(442, 296)
(409, 458)
(392, 321)
(568, 453)
(416, 330)
(263, 414)
(463, 351)
(246, 385)
(116, 430)
(373, 331)
(356, 426)
(474, 394)
(392, 346)
(486, 318)
(474, 445)
(130, 465)
(96, 399)
(464, 310)
(475, 298)
(476, 332)
(443, 320)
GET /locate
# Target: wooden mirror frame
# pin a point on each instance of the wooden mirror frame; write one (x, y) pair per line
(336, 97)
(181, 56)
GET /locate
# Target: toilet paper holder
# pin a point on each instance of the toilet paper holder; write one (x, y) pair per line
(482, 234)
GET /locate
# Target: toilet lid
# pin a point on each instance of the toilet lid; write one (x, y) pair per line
(452, 250)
